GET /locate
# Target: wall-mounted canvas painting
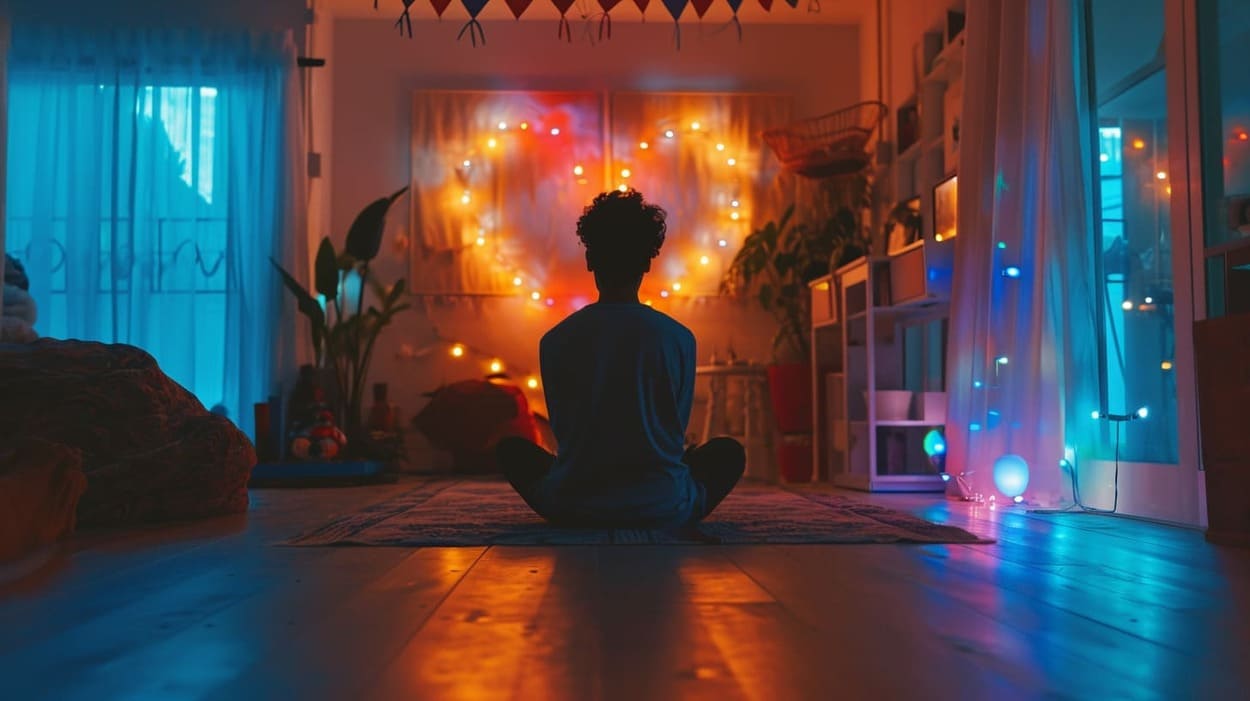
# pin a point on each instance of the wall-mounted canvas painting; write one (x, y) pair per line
(945, 204)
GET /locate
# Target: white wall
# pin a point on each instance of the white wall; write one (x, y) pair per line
(374, 72)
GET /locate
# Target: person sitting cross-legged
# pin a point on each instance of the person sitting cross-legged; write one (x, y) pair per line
(619, 382)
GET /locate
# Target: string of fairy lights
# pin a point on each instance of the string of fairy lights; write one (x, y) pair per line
(700, 259)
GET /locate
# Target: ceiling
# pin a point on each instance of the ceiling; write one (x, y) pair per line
(807, 11)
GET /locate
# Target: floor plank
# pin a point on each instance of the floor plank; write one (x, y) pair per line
(1068, 606)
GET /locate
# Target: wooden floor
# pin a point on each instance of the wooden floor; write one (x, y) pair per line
(1072, 606)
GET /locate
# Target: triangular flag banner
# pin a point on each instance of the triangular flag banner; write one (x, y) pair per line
(735, 5)
(767, 5)
(518, 6)
(405, 19)
(564, 29)
(675, 8)
(606, 20)
(700, 7)
(473, 27)
(440, 6)
(642, 7)
(792, 3)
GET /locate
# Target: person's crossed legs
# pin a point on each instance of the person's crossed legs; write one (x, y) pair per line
(717, 465)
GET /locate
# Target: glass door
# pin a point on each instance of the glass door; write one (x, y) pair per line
(1224, 90)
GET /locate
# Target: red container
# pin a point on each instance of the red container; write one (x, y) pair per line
(790, 390)
(794, 458)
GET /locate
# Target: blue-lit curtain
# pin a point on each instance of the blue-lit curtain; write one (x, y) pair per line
(1023, 362)
(153, 184)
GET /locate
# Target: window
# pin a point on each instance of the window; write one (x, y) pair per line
(149, 186)
(1134, 251)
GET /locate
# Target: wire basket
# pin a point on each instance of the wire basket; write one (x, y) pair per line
(830, 145)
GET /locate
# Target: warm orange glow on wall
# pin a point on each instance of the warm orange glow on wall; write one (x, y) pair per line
(1139, 144)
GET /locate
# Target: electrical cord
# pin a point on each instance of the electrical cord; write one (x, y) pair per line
(1079, 506)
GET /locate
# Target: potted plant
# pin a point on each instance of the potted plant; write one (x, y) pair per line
(773, 268)
(342, 339)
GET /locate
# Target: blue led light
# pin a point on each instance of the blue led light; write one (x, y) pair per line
(974, 427)
(1002, 244)
(1011, 271)
(977, 384)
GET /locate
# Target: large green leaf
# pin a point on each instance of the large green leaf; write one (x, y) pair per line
(364, 238)
(327, 270)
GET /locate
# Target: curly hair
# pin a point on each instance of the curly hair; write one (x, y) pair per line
(622, 233)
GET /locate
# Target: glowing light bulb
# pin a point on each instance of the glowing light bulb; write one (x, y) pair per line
(735, 216)
(977, 384)
(734, 203)
(704, 260)
(625, 172)
(496, 366)
(694, 126)
(578, 170)
(503, 125)
(1126, 305)
(668, 133)
(1002, 245)
(1018, 499)
(677, 287)
(466, 163)
(622, 187)
(937, 237)
(664, 294)
(732, 161)
(555, 131)
(722, 243)
(1139, 144)
(644, 145)
(457, 351)
(532, 383)
(946, 477)
(1162, 175)
(1011, 271)
(1095, 414)
(551, 302)
(464, 199)
(536, 295)
(491, 143)
(1165, 365)
(720, 147)
(525, 126)
(1001, 360)
(1103, 157)
(480, 241)
(1149, 300)
(516, 281)
(1143, 413)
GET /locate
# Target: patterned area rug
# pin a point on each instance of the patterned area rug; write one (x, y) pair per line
(447, 513)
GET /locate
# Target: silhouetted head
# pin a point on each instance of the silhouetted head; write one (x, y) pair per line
(621, 233)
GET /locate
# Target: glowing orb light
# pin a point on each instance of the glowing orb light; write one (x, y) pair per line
(934, 443)
(1011, 475)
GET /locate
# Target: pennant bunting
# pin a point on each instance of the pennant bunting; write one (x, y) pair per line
(767, 5)
(564, 29)
(405, 19)
(473, 27)
(642, 7)
(440, 6)
(605, 20)
(675, 8)
(700, 7)
(735, 5)
(518, 6)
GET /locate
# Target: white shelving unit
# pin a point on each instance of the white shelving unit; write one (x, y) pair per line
(884, 347)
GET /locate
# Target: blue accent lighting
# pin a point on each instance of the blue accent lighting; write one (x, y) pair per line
(1011, 271)
(1011, 475)
(934, 443)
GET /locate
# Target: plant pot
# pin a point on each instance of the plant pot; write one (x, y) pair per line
(794, 458)
(790, 391)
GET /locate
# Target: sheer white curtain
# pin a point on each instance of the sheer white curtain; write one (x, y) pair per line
(157, 181)
(1022, 361)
